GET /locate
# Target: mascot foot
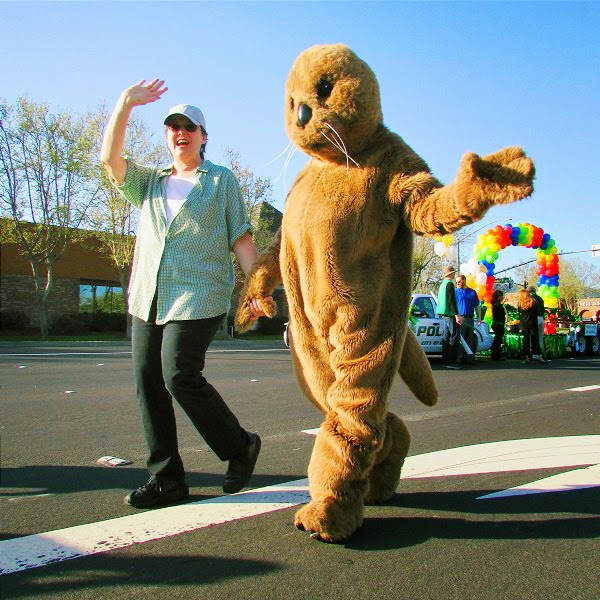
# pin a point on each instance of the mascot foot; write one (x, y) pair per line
(384, 477)
(384, 480)
(330, 520)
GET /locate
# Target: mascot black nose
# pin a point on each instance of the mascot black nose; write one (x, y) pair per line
(304, 114)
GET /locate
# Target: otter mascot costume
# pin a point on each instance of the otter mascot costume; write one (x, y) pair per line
(344, 255)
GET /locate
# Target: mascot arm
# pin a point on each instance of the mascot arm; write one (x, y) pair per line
(481, 182)
(262, 280)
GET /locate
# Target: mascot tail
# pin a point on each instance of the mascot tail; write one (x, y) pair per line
(416, 372)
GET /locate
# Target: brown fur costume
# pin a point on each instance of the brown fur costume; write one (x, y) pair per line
(344, 254)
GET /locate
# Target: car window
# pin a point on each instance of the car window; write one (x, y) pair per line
(425, 305)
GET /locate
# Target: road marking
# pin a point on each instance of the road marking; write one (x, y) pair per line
(311, 431)
(585, 388)
(20, 554)
(505, 456)
(32, 551)
(563, 482)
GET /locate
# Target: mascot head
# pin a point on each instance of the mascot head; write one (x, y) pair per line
(332, 104)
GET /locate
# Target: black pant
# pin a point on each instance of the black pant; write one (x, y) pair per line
(498, 339)
(168, 362)
(450, 340)
(531, 342)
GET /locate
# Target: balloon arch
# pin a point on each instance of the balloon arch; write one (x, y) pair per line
(479, 270)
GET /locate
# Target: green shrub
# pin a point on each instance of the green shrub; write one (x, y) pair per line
(67, 325)
(13, 320)
(274, 326)
(102, 322)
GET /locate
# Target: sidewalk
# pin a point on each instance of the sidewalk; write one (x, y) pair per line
(228, 344)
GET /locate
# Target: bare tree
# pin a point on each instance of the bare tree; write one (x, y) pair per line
(256, 192)
(427, 266)
(112, 219)
(45, 187)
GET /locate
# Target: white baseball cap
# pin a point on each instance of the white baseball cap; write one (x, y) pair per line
(193, 113)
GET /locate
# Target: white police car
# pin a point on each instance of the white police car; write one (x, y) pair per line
(427, 326)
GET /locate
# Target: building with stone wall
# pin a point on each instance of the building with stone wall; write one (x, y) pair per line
(86, 279)
(79, 273)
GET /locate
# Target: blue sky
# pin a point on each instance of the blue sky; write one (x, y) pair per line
(454, 77)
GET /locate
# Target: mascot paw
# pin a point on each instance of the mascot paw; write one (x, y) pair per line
(329, 520)
(245, 317)
(505, 176)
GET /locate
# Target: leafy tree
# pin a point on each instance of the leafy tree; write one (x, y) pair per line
(45, 187)
(112, 220)
(577, 278)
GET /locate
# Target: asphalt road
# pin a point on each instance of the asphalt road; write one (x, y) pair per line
(62, 408)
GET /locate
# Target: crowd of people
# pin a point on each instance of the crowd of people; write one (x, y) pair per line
(459, 308)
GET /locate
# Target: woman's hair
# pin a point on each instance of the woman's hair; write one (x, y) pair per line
(496, 295)
(525, 300)
(203, 147)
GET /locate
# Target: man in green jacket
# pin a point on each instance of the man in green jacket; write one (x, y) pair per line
(448, 311)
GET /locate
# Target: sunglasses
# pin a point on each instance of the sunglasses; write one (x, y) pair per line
(177, 127)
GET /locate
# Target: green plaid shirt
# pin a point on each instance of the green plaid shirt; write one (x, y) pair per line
(188, 263)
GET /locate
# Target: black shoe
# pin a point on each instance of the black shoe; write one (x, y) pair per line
(241, 468)
(155, 492)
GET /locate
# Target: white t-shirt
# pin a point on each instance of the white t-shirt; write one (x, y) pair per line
(178, 188)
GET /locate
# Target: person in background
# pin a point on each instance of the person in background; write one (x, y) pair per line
(498, 324)
(448, 311)
(467, 302)
(541, 312)
(528, 314)
(192, 216)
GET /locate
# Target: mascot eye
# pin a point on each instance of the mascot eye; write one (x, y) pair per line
(324, 88)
